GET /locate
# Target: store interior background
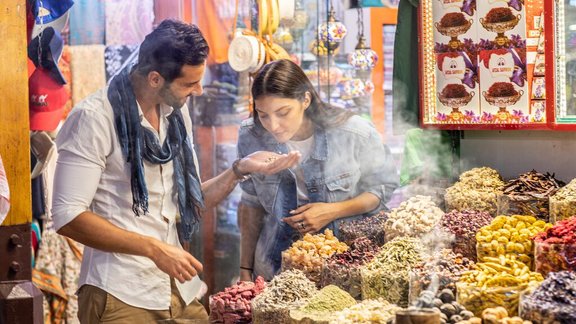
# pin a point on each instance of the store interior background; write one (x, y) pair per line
(511, 152)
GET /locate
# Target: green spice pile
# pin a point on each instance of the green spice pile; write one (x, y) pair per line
(288, 290)
(369, 311)
(321, 307)
(343, 269)
(387, 276)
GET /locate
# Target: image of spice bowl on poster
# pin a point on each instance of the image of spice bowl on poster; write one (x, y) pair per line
(454, 22)
(503, 86)
(457, 85)
(499, 20)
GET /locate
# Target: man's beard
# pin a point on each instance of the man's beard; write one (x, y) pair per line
(170, 99)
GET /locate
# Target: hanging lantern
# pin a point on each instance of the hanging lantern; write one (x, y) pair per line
(332, 32)
(363, 57)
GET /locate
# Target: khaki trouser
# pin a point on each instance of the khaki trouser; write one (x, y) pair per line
(97, 306)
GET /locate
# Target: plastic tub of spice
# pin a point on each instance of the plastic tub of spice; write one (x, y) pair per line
(563, 203)
(386, 276)
(554, 301)
(464, 225)
(343, 269)
(308, 254)
(556, 248)
(529, 194)
(414, 217)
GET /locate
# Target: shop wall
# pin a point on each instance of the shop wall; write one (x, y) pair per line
(515, 152)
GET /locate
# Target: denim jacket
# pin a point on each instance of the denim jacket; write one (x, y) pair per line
(345, 161)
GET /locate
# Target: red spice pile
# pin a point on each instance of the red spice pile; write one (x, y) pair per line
(232, 306)
(502, 89)
(453, 19)
(564, 232)
(498, 15)
(454, 91)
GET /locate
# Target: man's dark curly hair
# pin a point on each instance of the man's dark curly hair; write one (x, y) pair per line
(170, 46)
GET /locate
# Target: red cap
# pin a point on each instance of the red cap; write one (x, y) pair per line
(47, 100)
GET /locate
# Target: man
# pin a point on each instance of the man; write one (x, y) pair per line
(126, 169)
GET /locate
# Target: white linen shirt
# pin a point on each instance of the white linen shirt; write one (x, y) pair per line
(92, 174)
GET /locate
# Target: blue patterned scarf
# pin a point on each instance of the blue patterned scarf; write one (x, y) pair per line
(139, 143)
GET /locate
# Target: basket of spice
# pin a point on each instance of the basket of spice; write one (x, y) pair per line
(556, 248)
(322, 306)
(343, 269)
(477, 189)
(529, 194)
(464, 225)
(440, 271)
(563, 203)
(308, 254)
(288, 290)
(509, 235)
(386, 276)
(495, 282)
(371, 227)
(554, 301)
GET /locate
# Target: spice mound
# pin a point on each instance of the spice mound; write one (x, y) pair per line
(556, 248)
(343, 269)
(453, 19)
(387, 276)
(414, 218)
(498, 15)
(454, 91)
(288, 290)
(233, 304)
(322, 306)
(369, 311)
(371, 227)
(563, 202)
(464, 225)
(502, 89)
(308, 254)
(477, 189)
(554, 301)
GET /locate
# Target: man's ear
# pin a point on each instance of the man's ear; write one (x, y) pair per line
(155, 80)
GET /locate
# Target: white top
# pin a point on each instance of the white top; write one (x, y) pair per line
(91, 174)
(305, 149)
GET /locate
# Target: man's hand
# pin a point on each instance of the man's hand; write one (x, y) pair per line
(177, 263)
(267, 162)
(311, 218)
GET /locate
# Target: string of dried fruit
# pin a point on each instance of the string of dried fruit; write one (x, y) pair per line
(529, 194)
(477, 189)
(308, 254)
(464, 225)
(556, 248)
(445, 268)
(370, 227)
(563, 203)
(414, 218)
(343, 269)
(289, 290)
(554, 301)
(369, 311)
(386, 275)
(495, 282)
(509, 235)
(233, 304)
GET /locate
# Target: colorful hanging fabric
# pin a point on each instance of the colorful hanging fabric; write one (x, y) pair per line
(215, 21)
(87, 22)
(64, 66)
(128, 22)
(167, 9)
(88, 71)
(115, 56)
(56, 273)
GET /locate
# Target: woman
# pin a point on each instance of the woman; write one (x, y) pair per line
(344, 170)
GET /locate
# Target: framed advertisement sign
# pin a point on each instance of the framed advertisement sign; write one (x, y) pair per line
(478, 63)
